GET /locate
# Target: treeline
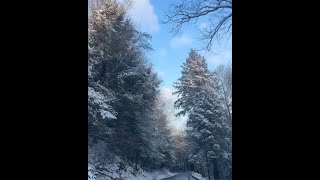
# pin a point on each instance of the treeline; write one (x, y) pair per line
(126, 113)
(124, 106)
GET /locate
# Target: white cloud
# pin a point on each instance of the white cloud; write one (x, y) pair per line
(181, 41)
(218, 58)
(143, 14)
(167, 96)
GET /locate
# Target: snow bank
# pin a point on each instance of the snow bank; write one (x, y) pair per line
(116, 168)
(156, 175)
(198, 176)
(91, 172)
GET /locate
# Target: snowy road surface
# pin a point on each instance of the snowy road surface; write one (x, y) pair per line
(182, 176)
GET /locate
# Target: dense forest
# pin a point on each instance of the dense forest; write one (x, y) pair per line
(126, 114)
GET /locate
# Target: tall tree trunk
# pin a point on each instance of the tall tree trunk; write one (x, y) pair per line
(208, 167)
(215, 169)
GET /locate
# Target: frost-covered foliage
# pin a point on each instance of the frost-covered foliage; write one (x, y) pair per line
(115, 167)
(180, 151)
(160, 148)
(100, 112)
(111, 172)
(91, 172)
(128, 127)
(123, 94)
(208, 133)
(102, 102)
(224, 77)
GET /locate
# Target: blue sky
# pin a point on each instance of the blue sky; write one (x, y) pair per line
(171, 51)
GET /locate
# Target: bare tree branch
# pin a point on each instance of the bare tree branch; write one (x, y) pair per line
(191, 10)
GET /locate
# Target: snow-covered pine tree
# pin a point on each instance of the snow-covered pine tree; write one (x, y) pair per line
(123, 68)
(123, 91)
(197, 97)
(100, 97)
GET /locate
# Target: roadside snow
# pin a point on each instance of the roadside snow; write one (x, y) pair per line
(91, 171)
(198, 176)
(156, 175)
(118, 167)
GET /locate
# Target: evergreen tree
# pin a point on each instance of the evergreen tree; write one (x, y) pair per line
(126, 115)
(206, 129)
(101, 113)
(117, 62)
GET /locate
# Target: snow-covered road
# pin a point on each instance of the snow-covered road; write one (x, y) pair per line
(182, 176)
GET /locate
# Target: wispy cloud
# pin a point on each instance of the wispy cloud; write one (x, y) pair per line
(181, 41)
(143, 14)
(218, 58)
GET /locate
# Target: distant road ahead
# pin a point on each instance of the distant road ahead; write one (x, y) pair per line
(182, 176)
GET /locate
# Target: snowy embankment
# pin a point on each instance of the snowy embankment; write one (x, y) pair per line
(197, 176)
(120, 169)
